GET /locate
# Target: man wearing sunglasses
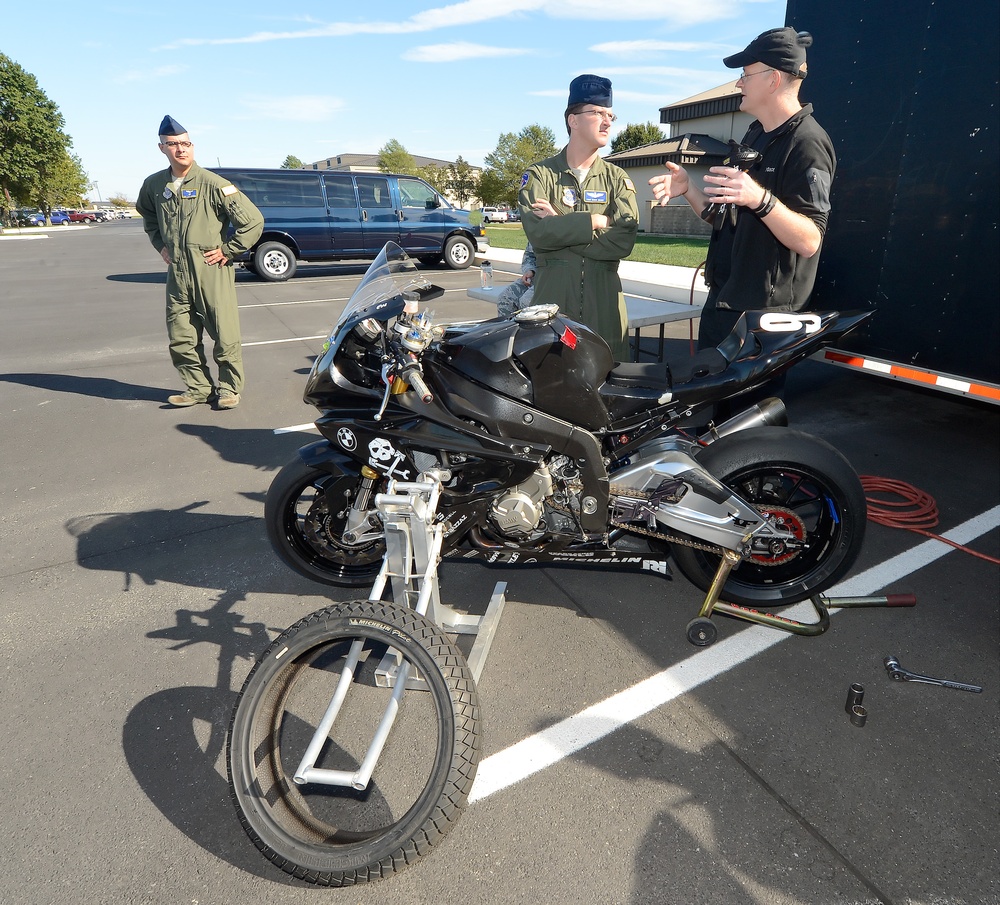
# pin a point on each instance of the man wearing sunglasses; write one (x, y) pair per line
(767, 258)
(186, 212)
(580, 216)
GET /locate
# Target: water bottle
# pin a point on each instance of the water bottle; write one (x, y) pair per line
(486, 275)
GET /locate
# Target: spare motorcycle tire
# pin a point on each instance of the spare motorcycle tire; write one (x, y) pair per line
(324, 831)
(807, 484)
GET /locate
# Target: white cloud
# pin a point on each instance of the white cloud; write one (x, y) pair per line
(647, 48)
(459, 50)
(303, 108)
(471, 12)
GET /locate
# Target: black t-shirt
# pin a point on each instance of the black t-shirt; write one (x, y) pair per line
(748, 268)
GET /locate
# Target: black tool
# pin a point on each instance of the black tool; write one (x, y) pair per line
(740, 157)
(855, 694)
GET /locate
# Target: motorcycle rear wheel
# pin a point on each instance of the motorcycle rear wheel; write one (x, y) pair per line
(806, 483)
(301, 514)
(335, 835)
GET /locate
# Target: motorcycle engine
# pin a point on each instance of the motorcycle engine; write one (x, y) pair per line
(518, 510)
(542, 503)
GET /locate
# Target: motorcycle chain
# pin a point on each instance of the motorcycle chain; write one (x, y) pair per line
(658, 535)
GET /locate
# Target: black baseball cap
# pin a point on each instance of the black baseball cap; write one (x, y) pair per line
(783, 49)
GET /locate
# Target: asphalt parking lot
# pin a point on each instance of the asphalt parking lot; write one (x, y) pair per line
(621, 765)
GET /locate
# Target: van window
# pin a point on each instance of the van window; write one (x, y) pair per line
(414, 193)
(373, 192)
(283, 191)
(340, 191)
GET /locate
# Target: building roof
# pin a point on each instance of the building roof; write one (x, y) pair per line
(369, 162)
(722, 99)
(690, 148)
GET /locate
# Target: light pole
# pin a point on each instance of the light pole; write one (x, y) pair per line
(96, 186)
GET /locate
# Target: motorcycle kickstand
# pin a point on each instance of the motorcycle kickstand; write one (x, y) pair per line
(701, 631)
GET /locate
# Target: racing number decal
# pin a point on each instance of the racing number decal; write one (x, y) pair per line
(787, 322)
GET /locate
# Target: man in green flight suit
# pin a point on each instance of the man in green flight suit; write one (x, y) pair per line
(186, 212)
(580, 216)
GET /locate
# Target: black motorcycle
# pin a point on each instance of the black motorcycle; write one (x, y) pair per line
(541, 450)
(549, 451)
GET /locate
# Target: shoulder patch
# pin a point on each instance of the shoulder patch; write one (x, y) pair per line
(229, 190)
(524, 180)
(629, 184)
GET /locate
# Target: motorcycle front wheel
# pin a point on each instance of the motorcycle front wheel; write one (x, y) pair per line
(801, 482)
(305, 515)
(337, 834)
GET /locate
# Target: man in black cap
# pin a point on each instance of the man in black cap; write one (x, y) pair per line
(768, 257)
(580, 216)
(186, 212)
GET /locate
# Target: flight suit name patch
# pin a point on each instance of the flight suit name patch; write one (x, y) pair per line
(595, 197)
(189, 193)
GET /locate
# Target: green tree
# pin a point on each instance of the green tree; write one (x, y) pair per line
(32, 141)
(292, 163)
(394, 158)
(434, 176)
(491, 188)
(120, 201)
(461, 180)
(635, 136)
(63, 183)
(512, 156)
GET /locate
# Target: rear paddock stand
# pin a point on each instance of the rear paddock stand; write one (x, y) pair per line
(702, 632)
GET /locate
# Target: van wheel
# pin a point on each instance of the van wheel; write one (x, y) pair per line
(274, 262)
(458, 253)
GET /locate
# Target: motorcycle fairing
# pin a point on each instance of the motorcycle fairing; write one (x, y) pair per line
(527, 361)
(515, 421)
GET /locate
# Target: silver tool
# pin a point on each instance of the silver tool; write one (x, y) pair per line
(897, 672)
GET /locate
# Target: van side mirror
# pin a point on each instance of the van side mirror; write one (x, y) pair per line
(433, 203)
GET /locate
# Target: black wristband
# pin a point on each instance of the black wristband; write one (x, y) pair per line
(766, 205)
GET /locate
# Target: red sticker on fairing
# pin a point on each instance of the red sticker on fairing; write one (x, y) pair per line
(568, 338)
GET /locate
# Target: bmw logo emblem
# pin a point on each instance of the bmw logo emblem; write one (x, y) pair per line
(346, 438)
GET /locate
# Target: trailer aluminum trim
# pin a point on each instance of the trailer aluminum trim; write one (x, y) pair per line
(948, 383)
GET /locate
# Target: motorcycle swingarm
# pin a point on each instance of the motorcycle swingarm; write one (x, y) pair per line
(676, 492)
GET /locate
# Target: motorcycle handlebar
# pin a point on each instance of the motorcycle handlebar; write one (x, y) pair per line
(414, 378)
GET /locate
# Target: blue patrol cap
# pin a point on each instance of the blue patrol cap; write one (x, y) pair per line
(589, 89)
(170, 126)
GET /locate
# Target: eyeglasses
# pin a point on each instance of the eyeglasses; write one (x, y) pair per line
(604, 114)
(177, 144)
(745, 75)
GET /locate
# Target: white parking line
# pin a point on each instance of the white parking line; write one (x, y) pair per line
(535, 753)
(291, 339)
(295, 428)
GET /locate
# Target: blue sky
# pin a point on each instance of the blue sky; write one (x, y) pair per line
(253, 84)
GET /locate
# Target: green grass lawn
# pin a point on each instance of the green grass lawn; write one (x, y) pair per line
(682, 252)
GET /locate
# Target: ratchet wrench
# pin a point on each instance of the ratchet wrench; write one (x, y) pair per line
(897, 672)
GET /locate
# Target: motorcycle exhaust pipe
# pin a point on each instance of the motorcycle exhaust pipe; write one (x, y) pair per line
(769, 412)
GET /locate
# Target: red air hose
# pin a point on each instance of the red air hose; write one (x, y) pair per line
(914, 510)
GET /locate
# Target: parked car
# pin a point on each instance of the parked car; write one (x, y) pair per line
(37, 218)
(316, 216)
(82, 216)
(494, 215)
